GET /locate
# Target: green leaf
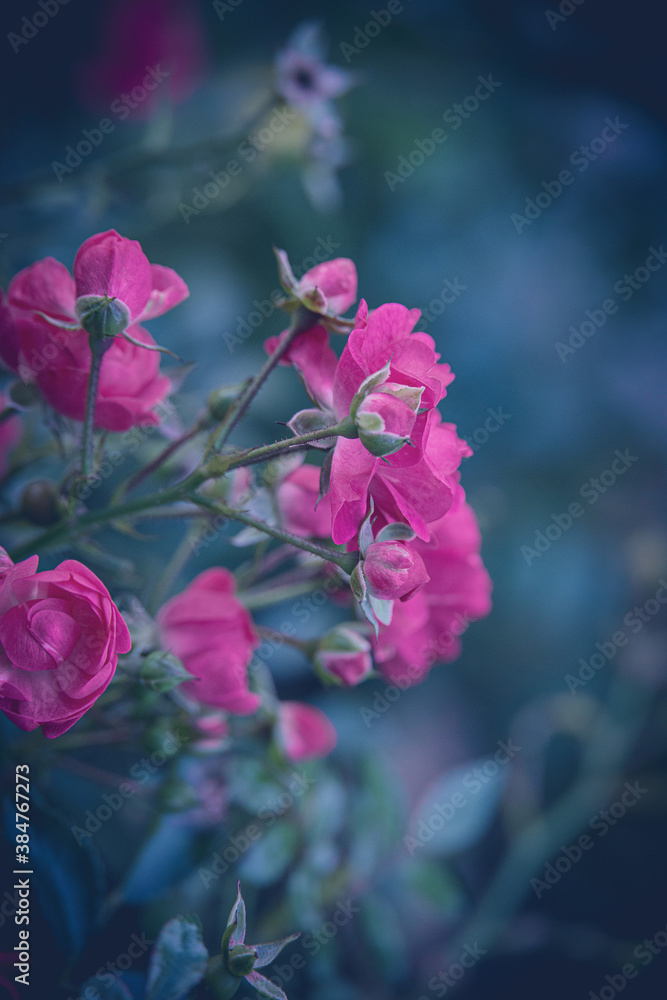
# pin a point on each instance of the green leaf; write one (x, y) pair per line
(370, 383)
(285, 272)
(366, 531)
(178, 960)
(396, 532)
(269, 857)
(307, 421)
(382, 610)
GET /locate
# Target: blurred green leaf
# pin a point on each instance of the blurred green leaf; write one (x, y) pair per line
(178, 960)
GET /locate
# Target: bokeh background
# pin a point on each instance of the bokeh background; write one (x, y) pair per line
(522, 288)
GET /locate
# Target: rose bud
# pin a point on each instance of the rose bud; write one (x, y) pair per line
(344, 656)
(393, 570)
(384, 423)
(304, 731)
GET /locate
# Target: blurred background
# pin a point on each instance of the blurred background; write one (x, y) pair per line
(502, 167)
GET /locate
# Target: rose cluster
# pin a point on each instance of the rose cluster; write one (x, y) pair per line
(392, 486)
(49, 314)
(387, 495)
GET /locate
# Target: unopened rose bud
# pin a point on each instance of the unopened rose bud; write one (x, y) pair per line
(344, 656)
(393, 570)
(220, 400)
(41, 502)
(241, 960)
(102, 317)
(384, 422)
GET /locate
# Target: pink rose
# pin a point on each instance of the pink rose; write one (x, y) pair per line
(58, 359)
(60, 636)
(416, 494)
(211, 632)
(304, 731)
(427, 629)
(334, 283)
(409, 485)
(344, 656)
(393, 570)
(151, 52)
(297, 497)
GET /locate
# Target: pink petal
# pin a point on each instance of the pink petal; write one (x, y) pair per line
(168, 291)
(306, 731)
(351, 471)
(45, 286)
(110, 264)
(336, 279)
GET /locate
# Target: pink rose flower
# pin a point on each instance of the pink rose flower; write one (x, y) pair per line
(394, 570)
(58, 359)
(344, 656)
(304, 731)
(297, 497)
(335, 285)
(427, 629)
(10, 432)
(153, 51)
(416, 494)
(409, 485)
(211, 632)
(60, 636)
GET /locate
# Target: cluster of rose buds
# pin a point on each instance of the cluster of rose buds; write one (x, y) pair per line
(384, 514)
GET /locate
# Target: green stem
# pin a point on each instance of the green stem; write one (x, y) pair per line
(63, 532)
(87, 458)
(288, 445)
(611, 739)
(163, 582)
(346, 562)
(303, 320)
(165, 454)
(266, 596)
